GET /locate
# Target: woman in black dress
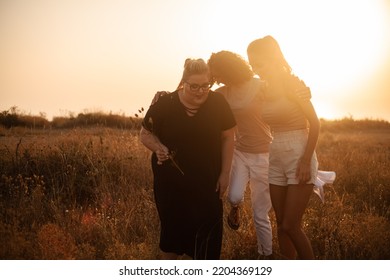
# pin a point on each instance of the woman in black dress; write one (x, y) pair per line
(191, 135)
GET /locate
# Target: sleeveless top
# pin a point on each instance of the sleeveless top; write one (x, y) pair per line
(281, 111)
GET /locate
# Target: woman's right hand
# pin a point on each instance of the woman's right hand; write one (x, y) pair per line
(300, 90)
(303, 93)
(158, 95)
(162, 154)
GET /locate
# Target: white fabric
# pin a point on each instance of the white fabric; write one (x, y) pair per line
(323, 177)
(253, 168)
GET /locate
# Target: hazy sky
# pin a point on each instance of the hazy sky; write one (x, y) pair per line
(71, 56)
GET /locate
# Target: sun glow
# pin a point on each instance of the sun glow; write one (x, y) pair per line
(336, 47)
(115, 55)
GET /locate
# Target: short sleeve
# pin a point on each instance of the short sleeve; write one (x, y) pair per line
(156, 114)
(150, 117)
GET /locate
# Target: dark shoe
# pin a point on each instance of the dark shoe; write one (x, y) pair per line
(233, 218)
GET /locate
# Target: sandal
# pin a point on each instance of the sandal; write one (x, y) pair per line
(233, 218)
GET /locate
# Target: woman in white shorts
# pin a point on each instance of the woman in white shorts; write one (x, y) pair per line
(295, 129)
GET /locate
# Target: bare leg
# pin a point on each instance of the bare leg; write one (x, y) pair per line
(296, 200)
(278, 198)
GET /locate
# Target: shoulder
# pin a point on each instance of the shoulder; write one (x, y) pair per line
(297, 90)
(222, 90)
(293, 82)
(257, 81)
(163, 105)
(217, 96)
(166, 100)
(220, 110)
(259, 87)
(169, 96)
(217, 102)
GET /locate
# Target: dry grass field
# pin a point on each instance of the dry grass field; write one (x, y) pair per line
(86, 193)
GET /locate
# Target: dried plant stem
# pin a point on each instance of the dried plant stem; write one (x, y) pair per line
(175, 164)
(169, 155)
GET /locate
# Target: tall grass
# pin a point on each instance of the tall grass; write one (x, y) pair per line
(87, 194)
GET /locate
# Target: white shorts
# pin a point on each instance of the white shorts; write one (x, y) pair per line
(285, 152)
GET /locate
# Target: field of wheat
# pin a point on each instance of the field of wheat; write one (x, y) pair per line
(86, 193)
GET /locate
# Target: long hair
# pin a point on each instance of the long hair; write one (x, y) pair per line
(193, 67)
(231, 66)
(269, 48)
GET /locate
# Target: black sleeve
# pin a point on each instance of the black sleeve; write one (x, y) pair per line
(151, 116)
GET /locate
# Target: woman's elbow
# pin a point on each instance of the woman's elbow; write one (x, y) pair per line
(315, 125)
(143, 135)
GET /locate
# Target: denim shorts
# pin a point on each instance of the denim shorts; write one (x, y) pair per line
(285, 152)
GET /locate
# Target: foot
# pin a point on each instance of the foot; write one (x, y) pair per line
(234, 218)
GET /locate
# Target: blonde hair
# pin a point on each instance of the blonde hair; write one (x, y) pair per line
(193, 67)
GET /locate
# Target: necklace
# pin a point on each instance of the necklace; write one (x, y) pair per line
(190, 111)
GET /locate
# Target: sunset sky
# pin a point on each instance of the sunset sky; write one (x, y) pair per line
(71, 56)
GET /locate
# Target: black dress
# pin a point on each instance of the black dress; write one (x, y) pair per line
(189, 208)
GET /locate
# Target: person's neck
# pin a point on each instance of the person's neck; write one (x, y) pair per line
(190, 108)
(185, 102)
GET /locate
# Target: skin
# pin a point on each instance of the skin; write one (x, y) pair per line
(302, 95)
(290, 202)
(194, 99)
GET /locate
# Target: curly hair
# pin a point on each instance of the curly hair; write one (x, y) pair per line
(232, 67)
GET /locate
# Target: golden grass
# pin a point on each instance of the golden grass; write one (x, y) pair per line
(87, 194)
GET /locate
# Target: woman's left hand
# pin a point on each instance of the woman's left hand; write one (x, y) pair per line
(303, 172)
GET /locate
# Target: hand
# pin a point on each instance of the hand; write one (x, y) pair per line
(223, 184)
(162, 154)
(303, 93)
(157, 96)
(303, 172)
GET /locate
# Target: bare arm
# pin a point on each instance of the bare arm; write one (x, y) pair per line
(227, 138)
(303, 170)
(303, 93)
(151, 142)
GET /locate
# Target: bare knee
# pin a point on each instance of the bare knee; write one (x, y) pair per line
(289, 228)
